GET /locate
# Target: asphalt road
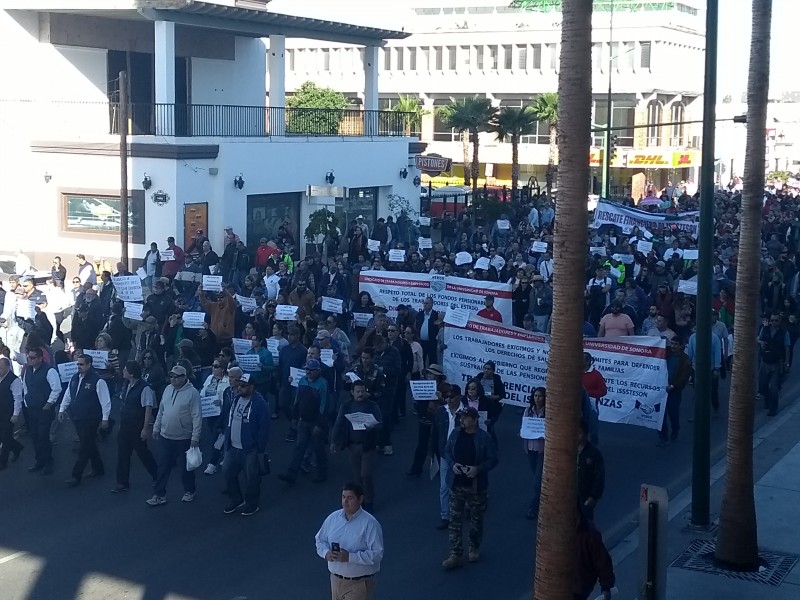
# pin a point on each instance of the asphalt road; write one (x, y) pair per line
(62, 544)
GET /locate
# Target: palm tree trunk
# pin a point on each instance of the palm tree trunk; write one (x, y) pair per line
(737, 545)
(552, 159)
(476, 165)
(514, 166)
(465, 150)
(555, 540)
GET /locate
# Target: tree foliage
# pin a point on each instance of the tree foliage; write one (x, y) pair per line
(315, 110)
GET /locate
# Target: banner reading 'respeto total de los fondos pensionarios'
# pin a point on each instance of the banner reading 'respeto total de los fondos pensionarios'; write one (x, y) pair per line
(634, 368)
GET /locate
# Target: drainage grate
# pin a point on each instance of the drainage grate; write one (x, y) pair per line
(699, 556)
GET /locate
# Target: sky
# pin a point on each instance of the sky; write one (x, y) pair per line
(734, 36)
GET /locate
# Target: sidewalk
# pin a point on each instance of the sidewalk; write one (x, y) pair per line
(777, 494)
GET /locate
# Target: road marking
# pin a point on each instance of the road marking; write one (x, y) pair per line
(11, 557)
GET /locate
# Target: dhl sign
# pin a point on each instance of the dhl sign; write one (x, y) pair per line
(687, 158)
(595, 157)
(679, 159)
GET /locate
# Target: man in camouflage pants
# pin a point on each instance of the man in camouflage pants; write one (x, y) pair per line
(473, 453)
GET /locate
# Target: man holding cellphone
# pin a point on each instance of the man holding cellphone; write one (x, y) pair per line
(351, 541)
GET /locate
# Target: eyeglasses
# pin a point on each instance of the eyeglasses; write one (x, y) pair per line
(147, 358)
(174, 375)
(33, 356)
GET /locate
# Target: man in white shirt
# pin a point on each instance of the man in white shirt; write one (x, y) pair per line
(546, 266)
(86, 271)
(10, 405)
(674, 249)
(272, 283)
(351, 541)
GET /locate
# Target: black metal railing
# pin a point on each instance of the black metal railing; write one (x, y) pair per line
(193, 120)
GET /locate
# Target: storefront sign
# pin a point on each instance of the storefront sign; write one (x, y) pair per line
(432, 164)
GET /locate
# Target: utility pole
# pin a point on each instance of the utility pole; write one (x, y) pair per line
(123, 167)
(607, 143)
(701, 463)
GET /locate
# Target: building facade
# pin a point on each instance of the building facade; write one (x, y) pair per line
(649, 52)
(204, 149)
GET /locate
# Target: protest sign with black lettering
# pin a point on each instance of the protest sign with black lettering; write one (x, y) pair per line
(128, 288)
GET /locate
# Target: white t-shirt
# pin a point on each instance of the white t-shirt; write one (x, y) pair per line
(240, 413)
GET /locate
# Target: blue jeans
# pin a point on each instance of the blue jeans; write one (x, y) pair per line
(444, 489)
(536, 460)
(168, 452)
(235, 462)
(306, 436)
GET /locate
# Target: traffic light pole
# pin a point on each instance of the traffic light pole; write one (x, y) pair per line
(607, 152)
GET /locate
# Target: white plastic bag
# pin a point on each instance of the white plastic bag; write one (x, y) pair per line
(194, 458)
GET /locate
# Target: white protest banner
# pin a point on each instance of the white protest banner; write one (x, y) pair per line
(423, 389)
(463, 258)
(208, 407)
(688, 287)
(166, 255)
(128, 288)
(141, 273)
(362, 319)
(133, 311)
(67, 370)
(326, 356)
(532, 428)
(248, 304)
(614, 272)
(274, 349)
(241, 346)
(601, 250)
(456, 316)
(425, 221)
(482, 263)
(644, 246)
(425, 243)
(285, 312)
(503, 224)
(212, 283)
(334, 305)
(539, 247)
(26, 309)
(194, 320)
(399, 287)
(397, 255)
(361, 421)
(249, 363)
(690, 254)
(373, 245)
(99, 358)
(609, 213)
(634, 368)
(296, 375)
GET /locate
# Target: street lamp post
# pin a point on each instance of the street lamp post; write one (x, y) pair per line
(607, 142)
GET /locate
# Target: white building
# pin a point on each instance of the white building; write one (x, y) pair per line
(197, 121)
(652, 51)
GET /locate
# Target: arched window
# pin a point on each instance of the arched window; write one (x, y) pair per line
(678, 131)
(655, 111)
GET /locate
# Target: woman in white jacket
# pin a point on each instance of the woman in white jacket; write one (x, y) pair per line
(211, 401)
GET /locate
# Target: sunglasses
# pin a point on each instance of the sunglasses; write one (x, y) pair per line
(147, 358)
(172, 375)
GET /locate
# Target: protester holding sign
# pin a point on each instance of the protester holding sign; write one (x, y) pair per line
(535, 448)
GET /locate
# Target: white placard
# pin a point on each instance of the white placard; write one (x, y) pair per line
(141, 273)
(352, 377)
(463, 258)
(326, 356)
(425, 243)
(690, 254)
(397, 255)
(212, 283)
(194, 320)
(625, 259)
(334, 305)
(285, 312)
(67, 370)
(457, 316)
(646, 233)
(248, 304)
(360, 421)
(688, 287)
(423, 389)
(532, 428)
(209, 407)
(498, 262)
(425, 221)
(26, 309)
(166, 255)
(99, 358)
(483, 415)
(296, 375)
(373, 245)
(128, 287)
(482, 263)
(362, 319)
(133, 311)
(614, 272)
(613, 241)
(250, 363)
(539, 247)
(601, 250)
(503, 224)
(272, 346)
(242, 346)
(643, 246)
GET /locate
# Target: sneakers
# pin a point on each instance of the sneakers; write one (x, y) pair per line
(229, 510)
(388, 451)
(188, 497)
(119, 488)
(474, 555)
(157, 500)
(454, 561)
(249, 510)
(210, 469)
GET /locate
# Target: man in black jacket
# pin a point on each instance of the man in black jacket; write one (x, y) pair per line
(388, 359)
(427, 330)
(591, 472)
(406, 364)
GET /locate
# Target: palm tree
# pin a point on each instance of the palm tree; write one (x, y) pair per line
(545, 107)
(470, 115)
(412, 107)
(737, 545)
(512, 123)
(555, 538)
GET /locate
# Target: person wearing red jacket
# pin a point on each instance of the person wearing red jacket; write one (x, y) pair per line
(595, 385)
(489, 311)
(264, 252)
(593, 562)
